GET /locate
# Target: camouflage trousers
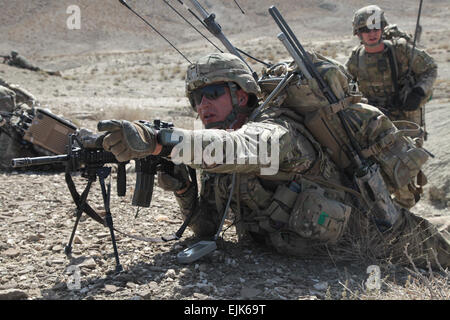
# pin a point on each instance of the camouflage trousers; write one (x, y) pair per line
(411, 239)
(10, 148)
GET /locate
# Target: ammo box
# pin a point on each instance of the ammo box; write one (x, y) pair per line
(49, 131)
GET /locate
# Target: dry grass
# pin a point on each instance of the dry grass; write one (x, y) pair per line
(398, 254)
(416, 287)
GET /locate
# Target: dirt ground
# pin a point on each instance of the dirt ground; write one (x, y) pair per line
(125, 79)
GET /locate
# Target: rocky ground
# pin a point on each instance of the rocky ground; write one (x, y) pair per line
(37, 213)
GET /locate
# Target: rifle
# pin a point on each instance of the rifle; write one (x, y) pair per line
(408, 82)
(15, 124)
(5, 58)
(367, 176)
(215, 29)
(88, 157)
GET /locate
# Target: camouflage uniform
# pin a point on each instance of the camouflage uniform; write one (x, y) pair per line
(14, 99)
(304, 208)
(19, 61)
(381, 76)
(7, 104)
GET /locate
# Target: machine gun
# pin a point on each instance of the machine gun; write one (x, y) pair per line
(366, 175)
(5, 58)
(88, 157)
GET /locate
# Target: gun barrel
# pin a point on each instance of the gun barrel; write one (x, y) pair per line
(301, 65)
(28, 162)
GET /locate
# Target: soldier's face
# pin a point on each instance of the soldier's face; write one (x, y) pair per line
(213, 103)
(370, 36)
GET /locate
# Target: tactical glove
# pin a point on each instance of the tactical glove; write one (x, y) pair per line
(414, 99)
(128, 140)
(176, 182)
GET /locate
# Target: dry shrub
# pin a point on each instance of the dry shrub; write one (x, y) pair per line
(404, 251)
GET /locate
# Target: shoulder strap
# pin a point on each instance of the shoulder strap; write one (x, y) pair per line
(394, 70)
(358, 53)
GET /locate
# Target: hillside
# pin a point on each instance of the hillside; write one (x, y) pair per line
(39, 27)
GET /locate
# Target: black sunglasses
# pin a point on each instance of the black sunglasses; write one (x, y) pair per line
(211, 92)
(367, 30)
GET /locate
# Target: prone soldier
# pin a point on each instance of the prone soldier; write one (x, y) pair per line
(16, 60)
(303, 207)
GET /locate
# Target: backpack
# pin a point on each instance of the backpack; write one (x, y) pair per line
(379, 139)
(392, 31)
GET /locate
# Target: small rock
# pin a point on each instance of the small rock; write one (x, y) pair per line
(146, 294)
(200, 296)
(78, 240)
(170, 273)
(33, 238)
(153, 286)
(57, 248)
(102, 235)
(19, 220)
(321, 286)
(131, 285)
(11, 253)
(185, 272)
(13, 294)
(111, 288)
(88, 263)
(249, 293)
(56, 261)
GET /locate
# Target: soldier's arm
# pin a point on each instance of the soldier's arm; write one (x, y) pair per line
(206, 219)
(351, 65)
(262, 148)
(425, 69)
(423, 66)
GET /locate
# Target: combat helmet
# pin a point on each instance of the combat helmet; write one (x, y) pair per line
(371, 17)
(14, 54)
(223, 67)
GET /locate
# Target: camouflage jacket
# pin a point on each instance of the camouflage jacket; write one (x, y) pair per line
(21, 62)
(292, 151)
(373, 71)
(20, 95)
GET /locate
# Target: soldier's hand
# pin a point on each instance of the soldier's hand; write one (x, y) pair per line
(178, 182)
(128, 140)
(414, 99)
(2, 121)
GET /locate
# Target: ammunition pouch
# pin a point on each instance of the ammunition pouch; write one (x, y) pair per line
(317, 216)
(308, 211)
(376, 195)
(400, 161)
